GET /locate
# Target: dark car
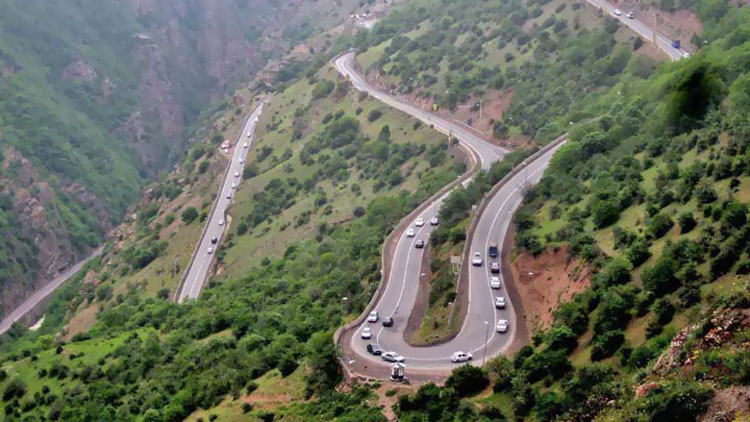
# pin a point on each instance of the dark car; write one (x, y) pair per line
(495, 267)
(214, 240)
(419, 244)
(374, 349)
(387, 321)
(493, 251)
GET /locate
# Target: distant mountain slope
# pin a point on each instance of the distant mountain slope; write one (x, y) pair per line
(98, 96)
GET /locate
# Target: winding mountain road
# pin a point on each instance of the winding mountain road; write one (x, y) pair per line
(478, 334)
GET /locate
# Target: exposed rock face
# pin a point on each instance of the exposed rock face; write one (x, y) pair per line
(79, 71)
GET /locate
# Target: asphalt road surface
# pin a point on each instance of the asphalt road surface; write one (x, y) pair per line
(397, 301)
(202, 258)
(638, 25)
(488, 153)
(29, 304)
(482, 316)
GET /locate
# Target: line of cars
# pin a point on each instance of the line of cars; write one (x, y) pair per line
(373, 348)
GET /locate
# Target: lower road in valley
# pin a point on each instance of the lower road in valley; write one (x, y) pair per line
(215, 224)
(35, 299)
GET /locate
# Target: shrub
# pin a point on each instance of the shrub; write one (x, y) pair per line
(322, 89)
(467, 380)
(686, 222)
(659, 225)
(660, 278)
(189, 214)
(374, 115)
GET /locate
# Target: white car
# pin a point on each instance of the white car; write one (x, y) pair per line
(419, 222)
(618, 12)
(234, 185)
(210, 251)
(241, 161)
(392, 357)
(373, 317)
(461, 357)
(366, 333)
(249, 134)
(502, 326)
(229, 195)
(630, 15)
(477, 259)
(221, 222)
(410, 232)
(236, 174)
(256, 120)
(244, 145)
(434, 221)
(500, 302)
(495, 282)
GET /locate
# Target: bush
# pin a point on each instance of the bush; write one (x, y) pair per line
(660, 278)
(686, 222)
(605, 345)
(322, 89)
(189, 214)
(659, 225)
(374, 115)
(467, 380)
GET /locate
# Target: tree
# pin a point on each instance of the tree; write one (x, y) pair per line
(686, 222)
(189, 214)
(735, 214)
(659, 225)
(605, 212)
(321, 356)
(617, 271)
(660, 278)
(467, 380)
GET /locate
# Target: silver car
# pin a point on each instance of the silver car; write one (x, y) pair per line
(366, 333)
(373, 317)
(502, 326)
(392, 357)
(495, 282)
(410, 232)
(460, 357)
(477, 259)
(500, 302)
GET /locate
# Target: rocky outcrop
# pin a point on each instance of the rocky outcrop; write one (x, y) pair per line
(79, 71)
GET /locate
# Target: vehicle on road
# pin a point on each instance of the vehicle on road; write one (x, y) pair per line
(373, 317)
(630, 15)
(229, 195)
(210, 251)
(374, 349)
(244, 145)
(234, 185)
(410, 232)
(685, 55)
(495, 268)
(676, 44)
(461, 357)
(477, 259)
(214, 240)
(249, 134)
(236, 174)
(492, 250)
(221, 222)
(419, 244)
(392, 357)
(500, 302)
(502, 326)
(434, 221)
(366, 333)
(387, 321)
(495, 282)
(419, 222)
(618, 12)
(241, 161)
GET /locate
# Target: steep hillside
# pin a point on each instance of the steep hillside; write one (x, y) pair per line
(98, 97)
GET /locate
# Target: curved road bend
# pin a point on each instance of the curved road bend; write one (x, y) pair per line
(488, 153)
(400, 293)
(198, 271)
(29, 304)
